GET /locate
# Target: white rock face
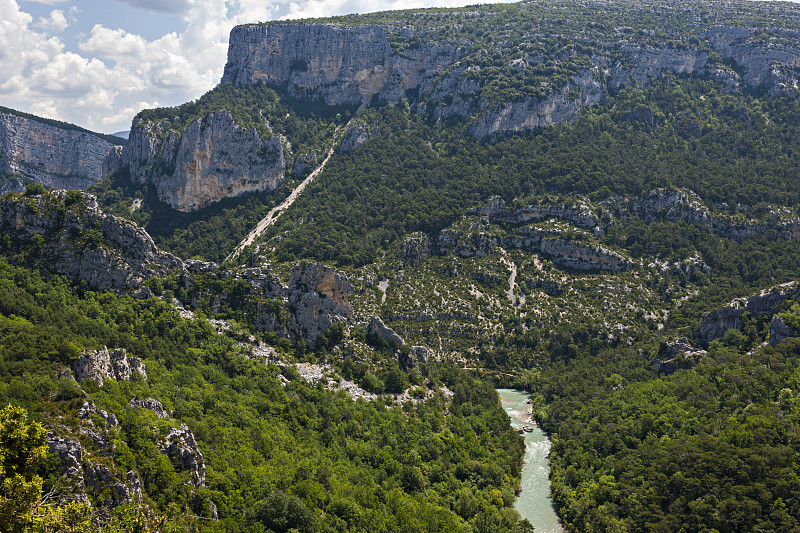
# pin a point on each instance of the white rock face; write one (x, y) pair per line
(352, 65)
(213, 159)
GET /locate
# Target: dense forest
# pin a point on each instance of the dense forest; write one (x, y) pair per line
(294, 457)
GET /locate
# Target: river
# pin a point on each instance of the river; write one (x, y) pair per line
(534, 503)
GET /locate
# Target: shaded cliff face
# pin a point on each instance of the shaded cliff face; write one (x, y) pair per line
(214, 158)
(335, 64)
(55, 157)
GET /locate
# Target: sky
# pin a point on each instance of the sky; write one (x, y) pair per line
(96, 63)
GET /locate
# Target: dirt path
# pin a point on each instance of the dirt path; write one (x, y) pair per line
(278, 210)
(512, 279)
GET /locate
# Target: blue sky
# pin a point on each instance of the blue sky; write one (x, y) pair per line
(96, 63)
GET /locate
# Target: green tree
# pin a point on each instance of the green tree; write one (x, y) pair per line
(21, 449)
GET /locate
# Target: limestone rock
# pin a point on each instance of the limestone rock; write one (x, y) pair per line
(181, 448)
(678, 205)
(357, 135)
(55, 157)
(674, 204)
(124, 258)
(151, 404)
(102, 481)
(715, 323)
(70, 457)
(779, 330)
(317, 296)
(678, 355)
(560, 107)
(479, 241)
(89, 408)
(420, 353)
(581, 215)
(335, 64)
(112, 161)
(214, 158)
(379, 330)
(100, 365)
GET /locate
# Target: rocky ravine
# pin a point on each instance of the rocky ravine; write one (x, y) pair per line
(53, 156)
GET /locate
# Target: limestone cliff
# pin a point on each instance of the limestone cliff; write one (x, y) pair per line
(336, 64)
(356, 64)
(56, 157)
(212, 159)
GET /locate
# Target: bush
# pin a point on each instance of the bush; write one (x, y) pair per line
(34, 188)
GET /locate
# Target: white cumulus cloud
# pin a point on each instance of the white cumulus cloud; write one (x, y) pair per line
(55, 23)
(108, 75)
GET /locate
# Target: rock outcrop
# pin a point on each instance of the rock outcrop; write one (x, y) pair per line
(679, 205)
(56, 157)
(84, 476)
(354, 137)
(73, 237)
(562, 245)
(100, 365)
(678, 355)
(317, 296)
(181, 448)
(779, 331)
(560, 107)
(382, 333)
(151, 404)
(495, 211)
(212, 159)
(715, 323)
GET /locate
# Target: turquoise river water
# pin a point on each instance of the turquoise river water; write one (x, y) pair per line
(534, 503)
